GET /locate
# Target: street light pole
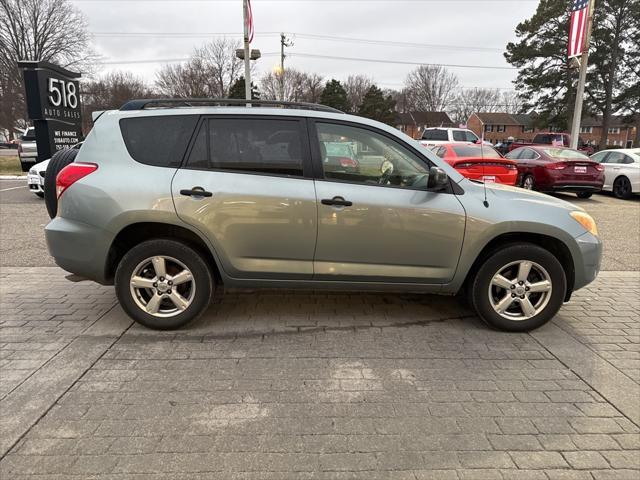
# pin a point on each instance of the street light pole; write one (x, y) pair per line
(584, 61)
(282, 42)
(247, 55)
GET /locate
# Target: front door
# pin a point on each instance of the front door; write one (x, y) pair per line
(376, 220)
(243, 186)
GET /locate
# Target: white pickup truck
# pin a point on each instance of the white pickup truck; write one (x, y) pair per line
(437, 136)
(27, 150)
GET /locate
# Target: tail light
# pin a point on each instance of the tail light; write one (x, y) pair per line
(348, 162)
(510, 166)
(556, 166)
(465, 165)
(71, 174)
(599, 167)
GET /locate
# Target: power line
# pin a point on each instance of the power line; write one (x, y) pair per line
(308, 36)
(312, 55)
(394, 43)
(174, 34)
(161, 60)
(478, 2)
(397, 62)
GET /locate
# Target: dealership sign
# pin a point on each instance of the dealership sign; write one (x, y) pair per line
(53, 104)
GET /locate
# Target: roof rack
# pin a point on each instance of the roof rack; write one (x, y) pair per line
(143, 104)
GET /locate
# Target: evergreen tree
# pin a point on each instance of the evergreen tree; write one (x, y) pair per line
(611, 44)
(548, 80)
(378, 107)
(334, 95)
(540, 54)
(237, 90)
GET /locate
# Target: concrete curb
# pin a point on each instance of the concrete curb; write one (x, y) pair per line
(13, 177)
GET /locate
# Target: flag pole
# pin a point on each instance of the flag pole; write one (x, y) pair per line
(247, 54)
(584, 61)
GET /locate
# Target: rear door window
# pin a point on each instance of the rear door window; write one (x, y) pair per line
(250, 145)
(160, 141)
(435, 135)
(464, 136)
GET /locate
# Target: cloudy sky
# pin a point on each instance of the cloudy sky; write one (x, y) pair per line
(144, 33)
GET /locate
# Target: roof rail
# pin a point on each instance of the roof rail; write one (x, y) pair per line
(143, 104)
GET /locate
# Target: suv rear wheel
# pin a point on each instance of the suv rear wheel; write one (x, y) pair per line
(519, 288)
(163, 284)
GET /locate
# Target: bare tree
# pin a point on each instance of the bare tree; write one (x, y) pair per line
(297, 86)
(110, 91)
(47, 30)
(430, 88)
(357, 86)
(471, 100)
(210, 72)
(512, 102)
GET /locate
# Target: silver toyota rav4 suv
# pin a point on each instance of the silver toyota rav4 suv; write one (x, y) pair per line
(168, 198)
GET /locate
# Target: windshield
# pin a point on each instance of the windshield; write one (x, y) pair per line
(565, 153)
(435, 135)
(475, 151)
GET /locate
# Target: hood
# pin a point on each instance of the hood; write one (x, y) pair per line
(518, 197)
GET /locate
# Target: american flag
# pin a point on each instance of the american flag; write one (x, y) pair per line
(578, 28)
(250, 21)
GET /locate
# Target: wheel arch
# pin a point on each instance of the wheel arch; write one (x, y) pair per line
(557, 247)
(136, 233)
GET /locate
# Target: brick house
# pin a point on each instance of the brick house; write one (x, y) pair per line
(620, 134)
(498, 126)
(414, 123)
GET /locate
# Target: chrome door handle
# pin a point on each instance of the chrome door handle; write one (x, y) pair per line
(336, 202)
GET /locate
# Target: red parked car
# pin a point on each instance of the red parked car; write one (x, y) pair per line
(553, 169)
(478, 162)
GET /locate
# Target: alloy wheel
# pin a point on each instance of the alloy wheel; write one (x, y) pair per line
(520, 290)
(622, 187)
(528, 182)
(162, 286)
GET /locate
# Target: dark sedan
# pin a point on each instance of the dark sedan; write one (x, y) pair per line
(555, 169)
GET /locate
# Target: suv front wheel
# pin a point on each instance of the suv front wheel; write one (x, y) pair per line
(519, 288)
(163, 284)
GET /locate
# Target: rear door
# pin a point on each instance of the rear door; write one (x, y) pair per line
(243, 185)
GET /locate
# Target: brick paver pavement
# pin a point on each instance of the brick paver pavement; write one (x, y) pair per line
(315, 385)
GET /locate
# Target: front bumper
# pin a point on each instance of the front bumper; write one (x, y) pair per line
(35, 183)
(587, 266)
(79, 248)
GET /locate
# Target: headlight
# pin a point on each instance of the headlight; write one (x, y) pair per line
(33, 172)
(586, 221)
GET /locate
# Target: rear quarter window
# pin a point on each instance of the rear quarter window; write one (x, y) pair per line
(158, 141)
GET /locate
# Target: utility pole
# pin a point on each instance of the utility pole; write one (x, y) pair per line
(584, 63)
(284, 42)
(247, 55)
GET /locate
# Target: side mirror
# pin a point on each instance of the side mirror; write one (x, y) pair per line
(438, 179)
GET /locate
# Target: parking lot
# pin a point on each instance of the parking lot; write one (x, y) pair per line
(277, 385)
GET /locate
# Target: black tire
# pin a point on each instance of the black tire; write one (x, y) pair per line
(622, 188)
(202, 278)
(494, 263)
(584, 194)
(59, 160)
(40, 194)
(526, 179)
